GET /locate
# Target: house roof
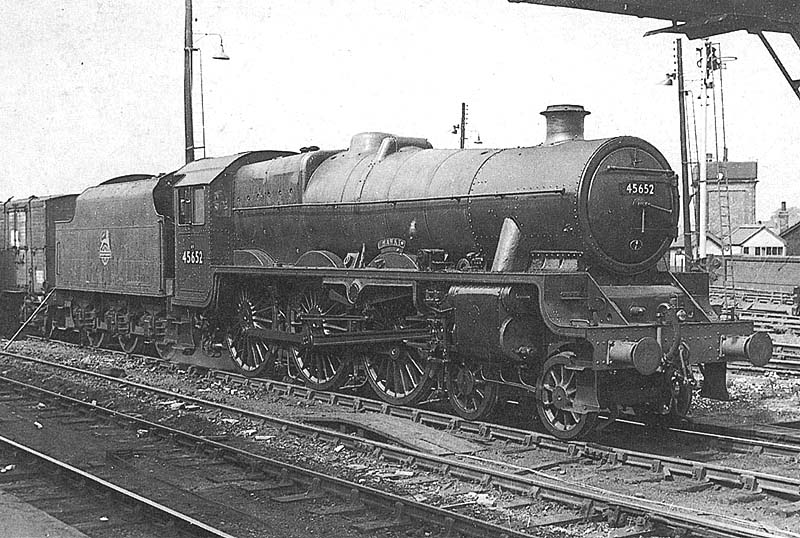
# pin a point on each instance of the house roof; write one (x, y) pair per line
(744, 233)
(791, 229)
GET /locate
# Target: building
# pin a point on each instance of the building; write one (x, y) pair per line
(677, 253)
(742, 178)
(757, 240)
(752, 240)
(791, 236)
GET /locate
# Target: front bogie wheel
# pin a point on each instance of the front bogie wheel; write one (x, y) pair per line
(557, 388)
(471, 395)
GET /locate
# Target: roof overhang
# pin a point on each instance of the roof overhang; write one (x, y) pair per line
(705, 18)
(702, 18)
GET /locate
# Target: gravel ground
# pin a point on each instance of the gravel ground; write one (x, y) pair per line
(265, 439)
(755, 399)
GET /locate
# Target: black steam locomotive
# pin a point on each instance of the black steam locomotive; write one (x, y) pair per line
(534, 274)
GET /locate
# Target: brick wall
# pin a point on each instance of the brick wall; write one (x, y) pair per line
(742, 195)
(792, 238)
(742, 179)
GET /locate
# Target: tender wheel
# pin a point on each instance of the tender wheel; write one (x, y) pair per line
(252, 356)
(37, 326)
(129, 343)
(163, 349)
(557, 387)
(471, 396)
(323, 368)
(94, 337)
(398, 373)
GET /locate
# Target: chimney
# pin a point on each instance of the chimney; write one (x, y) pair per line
(783, 218)
(564, 122)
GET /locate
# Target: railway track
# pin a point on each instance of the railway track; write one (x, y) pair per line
(786, 357)
(774, 322)
(785, 361)
(772, 439)
(302, 483)
(768, 439)
(748, 296)
(591, 504)
(67, 492)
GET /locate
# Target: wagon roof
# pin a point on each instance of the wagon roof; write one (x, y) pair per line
(205, 171)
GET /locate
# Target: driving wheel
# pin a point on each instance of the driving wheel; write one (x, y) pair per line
(253, 355)
(325, 368)
(398, 373)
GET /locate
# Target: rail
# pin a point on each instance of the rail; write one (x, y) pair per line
(601, 501)
(756, 296)
(186, 523)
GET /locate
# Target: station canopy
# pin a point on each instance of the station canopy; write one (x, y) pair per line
(699, 19)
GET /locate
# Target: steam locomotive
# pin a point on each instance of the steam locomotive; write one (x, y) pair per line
(532, 274)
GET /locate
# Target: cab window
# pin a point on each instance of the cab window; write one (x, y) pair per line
(199, 204)
(191, 205)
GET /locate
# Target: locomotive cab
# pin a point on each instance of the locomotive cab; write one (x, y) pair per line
(204, 197)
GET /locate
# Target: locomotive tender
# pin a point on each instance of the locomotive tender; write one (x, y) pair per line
(531, 273)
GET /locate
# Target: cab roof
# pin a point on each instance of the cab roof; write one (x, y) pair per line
(205, 171)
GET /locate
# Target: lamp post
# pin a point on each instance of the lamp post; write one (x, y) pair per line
(461, 129)
(188, 77)
(218, 56)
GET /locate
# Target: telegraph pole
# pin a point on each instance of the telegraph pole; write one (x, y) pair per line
(687, 221)
(188, 117)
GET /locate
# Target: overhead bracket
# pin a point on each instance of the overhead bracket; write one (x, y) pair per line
(794, 83)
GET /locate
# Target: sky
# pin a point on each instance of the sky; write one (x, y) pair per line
(93, 89)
